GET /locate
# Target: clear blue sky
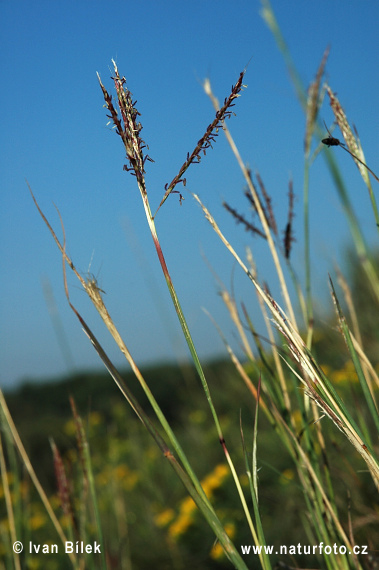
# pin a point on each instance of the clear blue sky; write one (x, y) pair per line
(54, 134)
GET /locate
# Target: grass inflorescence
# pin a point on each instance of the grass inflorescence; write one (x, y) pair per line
(306, 418)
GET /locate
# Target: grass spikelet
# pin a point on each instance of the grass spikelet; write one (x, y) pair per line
(64, 491)
(129, 128)
(240, 219)
(313, 103)
(207, 139)
(353, 145)
(268, 209)
(288, 232)
(344, 126)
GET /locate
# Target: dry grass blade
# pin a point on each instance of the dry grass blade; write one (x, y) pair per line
(231, 306)
(89, 285)
(8, 503)
(315, 479)
(33, 476)
(312, 376)
(356, 338)
(65, 256)
(239, 367)
(370, 399)
(183, 469)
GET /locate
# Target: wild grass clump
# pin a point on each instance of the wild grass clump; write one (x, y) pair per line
(298, 410)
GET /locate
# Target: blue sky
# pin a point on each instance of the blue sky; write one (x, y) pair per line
(54, 134)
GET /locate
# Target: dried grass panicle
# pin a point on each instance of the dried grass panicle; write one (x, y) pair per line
(342, 122)
(313, 102)
(81, 440)
(346, 131)
(354, 147)
(129, 128)
(288, 232)
(64, 491)
(240, 219)
(268, 210)
(208, 138)
(268, 214)
(250, 199)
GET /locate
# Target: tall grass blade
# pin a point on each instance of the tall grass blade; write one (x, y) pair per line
(355, 358)
(33, 476)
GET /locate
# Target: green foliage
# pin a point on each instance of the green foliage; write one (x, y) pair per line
(139, 495)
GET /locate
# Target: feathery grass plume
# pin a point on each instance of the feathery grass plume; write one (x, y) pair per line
(288, 232)
(64, 490)
(240, 219)
(314, 101)
(129, 128)
(271, 21)
(345, 129)
(353, 145)
(207, 139)
(265, 207)
(268, 210)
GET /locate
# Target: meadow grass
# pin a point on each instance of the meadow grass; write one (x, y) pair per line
(292, 391)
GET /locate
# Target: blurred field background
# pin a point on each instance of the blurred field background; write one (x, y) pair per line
(147, 517)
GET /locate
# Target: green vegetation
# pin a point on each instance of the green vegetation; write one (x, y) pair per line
(280, 449)
(138, 494)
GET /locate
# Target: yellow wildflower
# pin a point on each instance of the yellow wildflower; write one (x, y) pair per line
(286, 476)
(165, 517)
